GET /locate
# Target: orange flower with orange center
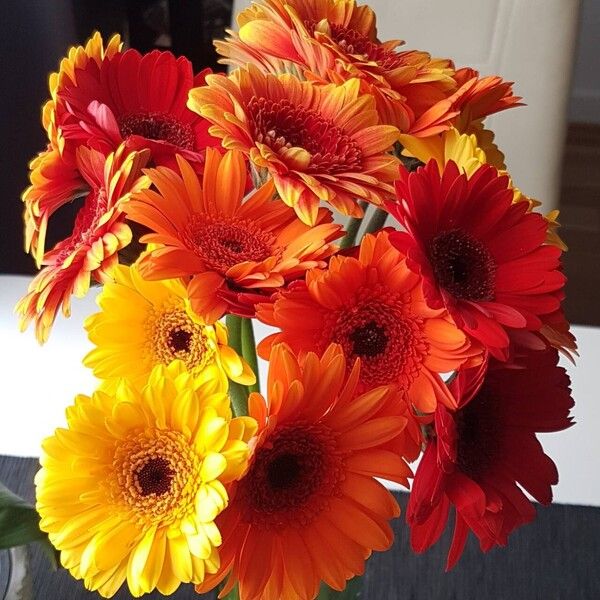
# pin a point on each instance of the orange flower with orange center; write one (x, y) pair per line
(374, 307)
(237, 251)
(317, 142)
(91, 250)
(309, 508)
(332, 41)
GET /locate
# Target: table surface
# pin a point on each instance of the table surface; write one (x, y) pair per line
(39, 382)
(554, 558)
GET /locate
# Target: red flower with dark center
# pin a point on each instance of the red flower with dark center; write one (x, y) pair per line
(479, 457)
(136, 98)
(481, 255)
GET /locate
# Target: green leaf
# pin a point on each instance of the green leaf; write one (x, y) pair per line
(20, 524)
(351, 592)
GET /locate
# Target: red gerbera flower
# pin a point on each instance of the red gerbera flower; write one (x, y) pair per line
(478, 456)
(138, 98)
(481, 255)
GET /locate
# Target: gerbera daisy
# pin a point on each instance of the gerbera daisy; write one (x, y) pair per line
(477, 457)
(317, 142)
(461, 237)
(333, 41)
(160, 327)
(465, 150)
(309, 508)
(54, 177)
(130, 490)
(236, 251)
(136, 98)
(91, 249)
(373, 306)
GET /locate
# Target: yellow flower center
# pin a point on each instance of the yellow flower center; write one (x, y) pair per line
(175, 336)
(156, 475)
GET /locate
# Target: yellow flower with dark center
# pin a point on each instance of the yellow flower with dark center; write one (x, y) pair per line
(131, 488)
(146, 323)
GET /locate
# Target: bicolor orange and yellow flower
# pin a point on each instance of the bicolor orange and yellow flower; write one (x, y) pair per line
(237, 251)
(146, 323)
(317, 142)
(329, 41)
(309, 508)
(130, 490)
(90, 251)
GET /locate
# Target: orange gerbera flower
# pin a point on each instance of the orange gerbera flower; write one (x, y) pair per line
(309, 509)
(91, 249)
(333, 41)
(374, 307)
(317, 142)
(236, 252)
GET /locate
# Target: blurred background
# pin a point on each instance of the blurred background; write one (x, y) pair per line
(549, 47)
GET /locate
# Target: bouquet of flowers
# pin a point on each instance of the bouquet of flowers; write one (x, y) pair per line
(207, 201)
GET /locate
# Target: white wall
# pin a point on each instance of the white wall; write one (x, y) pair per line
(585, 93)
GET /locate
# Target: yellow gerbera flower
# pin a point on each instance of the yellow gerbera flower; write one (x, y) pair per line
(469, 152)
(146, 323)
(130, 490)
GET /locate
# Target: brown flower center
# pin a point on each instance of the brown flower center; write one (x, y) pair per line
(157, 126)
(463, 266)
(292, 476)
(174, 335)
(155, 477)
(279, 124)
(221, 244)
(387, 338)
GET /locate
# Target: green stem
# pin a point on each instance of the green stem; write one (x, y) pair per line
(352, 230)
(352, 591)
(238, 393)
(249, 351)
(377, 221)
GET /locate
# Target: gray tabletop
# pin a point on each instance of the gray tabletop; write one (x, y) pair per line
(556, 557)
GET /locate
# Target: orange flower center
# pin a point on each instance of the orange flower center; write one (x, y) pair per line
(279, 124)
(223, 243)
(292, 475)
(387, 338)
(463, 266)
(157, 126)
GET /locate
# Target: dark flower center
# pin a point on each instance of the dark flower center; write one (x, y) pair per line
(155, 477)
(463, 266)
(387, 338)
(292, 475)
(157, 126)
(280, 124)
(283, 471)
(179, 340)
(369, 340)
